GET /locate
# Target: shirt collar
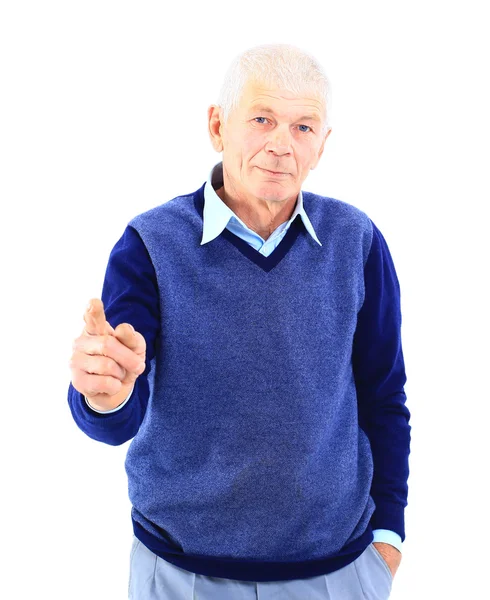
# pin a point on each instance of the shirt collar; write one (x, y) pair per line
(216, 213)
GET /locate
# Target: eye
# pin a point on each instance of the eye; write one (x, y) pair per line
(306, 126)
(259, 118)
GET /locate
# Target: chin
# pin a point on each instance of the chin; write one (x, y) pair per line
(272, 192)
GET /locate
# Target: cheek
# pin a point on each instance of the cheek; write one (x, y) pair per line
(307, 157)
(251, 146)
(250, 141)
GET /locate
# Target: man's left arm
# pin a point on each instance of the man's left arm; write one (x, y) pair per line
(379, 373)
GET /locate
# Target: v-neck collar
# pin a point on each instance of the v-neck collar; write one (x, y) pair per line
(266, 263)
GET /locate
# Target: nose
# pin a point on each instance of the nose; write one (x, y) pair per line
(279, 141)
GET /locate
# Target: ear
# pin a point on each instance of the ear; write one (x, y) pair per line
(320, 152)
(215, 127)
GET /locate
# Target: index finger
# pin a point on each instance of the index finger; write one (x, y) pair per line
(94, 317)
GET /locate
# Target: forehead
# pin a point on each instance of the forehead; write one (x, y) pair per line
(257, 96)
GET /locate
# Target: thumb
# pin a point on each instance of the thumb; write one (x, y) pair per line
(127, 335)
(131, 338)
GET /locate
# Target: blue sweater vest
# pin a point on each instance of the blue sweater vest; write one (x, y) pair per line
(275, 436)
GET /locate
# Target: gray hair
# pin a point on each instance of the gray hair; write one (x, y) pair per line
(281, 66)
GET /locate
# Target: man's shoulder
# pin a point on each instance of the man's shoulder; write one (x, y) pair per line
(330, 209)
(171, 211)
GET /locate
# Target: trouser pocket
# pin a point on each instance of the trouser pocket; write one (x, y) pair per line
(374, 575)
(382, 561)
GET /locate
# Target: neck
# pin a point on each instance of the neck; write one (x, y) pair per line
(260, 216)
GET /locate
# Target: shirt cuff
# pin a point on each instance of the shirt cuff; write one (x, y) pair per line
(106, 412)
(388, 537)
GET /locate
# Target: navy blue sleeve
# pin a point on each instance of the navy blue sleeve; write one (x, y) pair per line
(130, 295)
(379, 373)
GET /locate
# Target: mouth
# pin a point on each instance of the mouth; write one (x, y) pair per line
(274, 173)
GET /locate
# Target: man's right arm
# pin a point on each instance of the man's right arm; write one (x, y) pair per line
(130, 295)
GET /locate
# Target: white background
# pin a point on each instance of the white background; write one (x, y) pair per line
(103, 116)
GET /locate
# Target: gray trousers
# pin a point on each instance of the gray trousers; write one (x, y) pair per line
(152, 578)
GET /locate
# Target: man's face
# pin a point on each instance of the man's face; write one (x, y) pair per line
(272, 130)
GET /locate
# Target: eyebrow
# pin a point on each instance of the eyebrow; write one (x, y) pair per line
(263, 108)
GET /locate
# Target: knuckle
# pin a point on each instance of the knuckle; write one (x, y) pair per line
(113, 368)
(105, 365)
(105, 344)
(112, 384)
(108, 384)
(94, 385)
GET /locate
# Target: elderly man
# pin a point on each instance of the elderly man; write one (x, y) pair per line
(248, 339)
